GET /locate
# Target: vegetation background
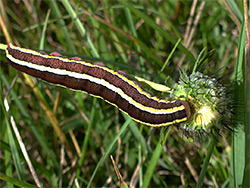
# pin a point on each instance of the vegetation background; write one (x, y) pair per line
(55, 137)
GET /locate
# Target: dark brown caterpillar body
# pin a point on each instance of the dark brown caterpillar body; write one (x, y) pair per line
(97, 79)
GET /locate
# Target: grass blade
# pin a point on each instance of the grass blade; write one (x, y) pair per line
(154, 160)
(206, 162)
(16, 182)
(122, 130)
(239, 135)
(158, 28)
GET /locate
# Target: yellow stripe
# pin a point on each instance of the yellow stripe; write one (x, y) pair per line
(104, 83)
(130, 82)
(97, 81)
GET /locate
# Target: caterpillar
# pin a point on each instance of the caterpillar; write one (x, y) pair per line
(98, 80)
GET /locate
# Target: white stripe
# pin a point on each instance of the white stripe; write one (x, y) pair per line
(97, 81)
(93, 65)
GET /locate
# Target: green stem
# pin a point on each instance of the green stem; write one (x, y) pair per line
(206, 162)
(155, 157)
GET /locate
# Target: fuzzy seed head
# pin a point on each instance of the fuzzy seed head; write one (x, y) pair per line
(207, 100)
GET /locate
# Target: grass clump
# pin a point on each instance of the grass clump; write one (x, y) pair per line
(69, 135)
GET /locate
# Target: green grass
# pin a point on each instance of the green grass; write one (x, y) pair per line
(70, 135)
